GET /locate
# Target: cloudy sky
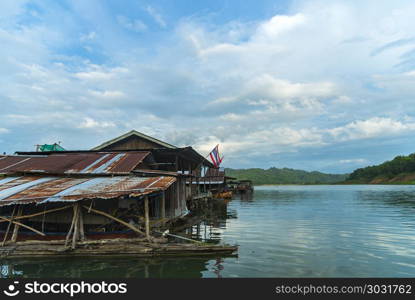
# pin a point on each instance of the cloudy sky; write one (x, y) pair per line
(315, 85)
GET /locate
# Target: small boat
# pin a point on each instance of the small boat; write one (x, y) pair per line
(224, 195)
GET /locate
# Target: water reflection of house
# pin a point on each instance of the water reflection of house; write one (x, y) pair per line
(177, 267)
(132, 182)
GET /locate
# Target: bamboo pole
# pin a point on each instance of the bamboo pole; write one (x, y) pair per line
(38, 213)
(147, 218)
(68, 235)
(163, 205)
(81, 225)
(8, 226)
(179, 237)
(16, 226)
(75, 234)
(43, 219)
(114, 218)
(177, 194)
(171, 200)
(184, 191)
(190, 180)
(23, 225)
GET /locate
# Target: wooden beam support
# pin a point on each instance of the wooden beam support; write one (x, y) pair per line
(81, 225)
(8, 226)
(75, 234)
(163, 205)
(68, 235)
(23, 225)
(177, 202)
(133, 228)
(147, 216)
(16, 226)
(190, 180)
(38, 213)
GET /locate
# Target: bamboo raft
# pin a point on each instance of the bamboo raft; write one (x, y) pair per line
(112, 247)
(77, 243)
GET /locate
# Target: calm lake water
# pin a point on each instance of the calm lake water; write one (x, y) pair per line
(283, 231)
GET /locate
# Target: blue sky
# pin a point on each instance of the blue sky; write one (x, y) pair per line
(314, 85)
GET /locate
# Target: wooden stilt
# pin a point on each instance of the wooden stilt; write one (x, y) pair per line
(147, 217)
(81, 226)
(185, 190)
(72, 227)
(163, 205)
(8, 226)
(171, 199)
(190, 180)
(75, 234)
(16, 226)
(43, 219)
(178, 183)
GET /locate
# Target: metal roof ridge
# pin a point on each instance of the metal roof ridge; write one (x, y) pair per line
(136, 133)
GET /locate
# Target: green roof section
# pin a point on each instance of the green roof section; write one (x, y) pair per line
(47, 147)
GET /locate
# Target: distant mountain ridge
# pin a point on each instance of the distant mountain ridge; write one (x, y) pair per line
(400, 170)
(284, 176)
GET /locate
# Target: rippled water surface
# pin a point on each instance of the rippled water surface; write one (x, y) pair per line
(283, 231)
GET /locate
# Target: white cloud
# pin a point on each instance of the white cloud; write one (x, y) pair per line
(158, 18)
(88, 37)
(342, 100)
(108, 94)
(280, 24)
(353, 161)
(314, 77)
(91, 123)
(371, 128)
(275, 88)
(95, 72)
(134, 25)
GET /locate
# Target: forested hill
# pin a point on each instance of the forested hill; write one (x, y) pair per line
(399, 170)
(284, 176)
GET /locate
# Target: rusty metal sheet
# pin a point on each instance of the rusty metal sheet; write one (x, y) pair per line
(74, 163)
(129, 162)
(10, 182)
(119, 186)
(12, 160)
(45, 190)
(54, 189)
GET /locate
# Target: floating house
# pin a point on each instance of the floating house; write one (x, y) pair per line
(108, 200)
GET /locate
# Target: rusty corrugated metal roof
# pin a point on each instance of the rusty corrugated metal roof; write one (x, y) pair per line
(30, 189)
(73, 163)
